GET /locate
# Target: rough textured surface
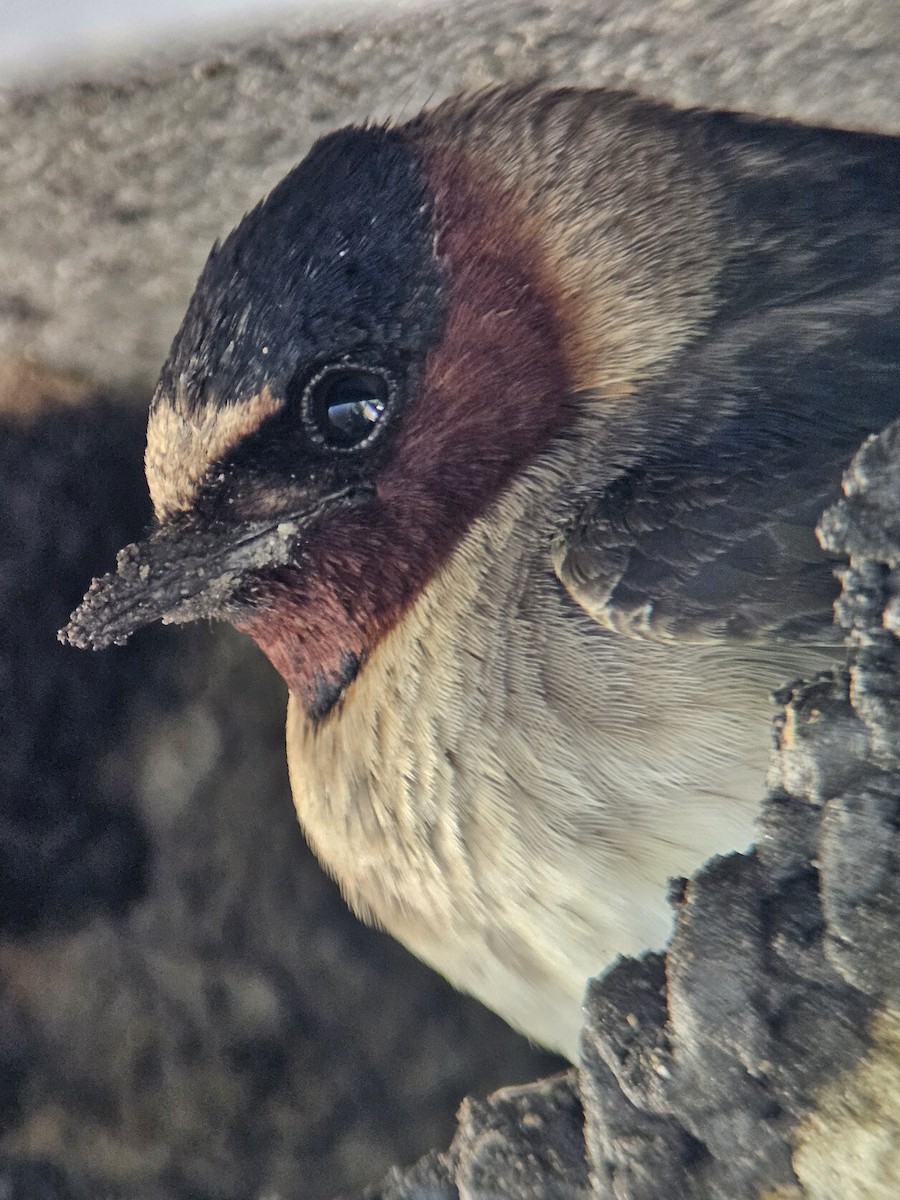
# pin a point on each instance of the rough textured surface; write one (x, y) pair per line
(187, 1011)
(760, 1056)
(114, 191)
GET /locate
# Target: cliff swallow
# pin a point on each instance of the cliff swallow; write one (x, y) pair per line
(504, 433)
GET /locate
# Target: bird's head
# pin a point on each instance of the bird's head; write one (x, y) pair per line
(367, 361)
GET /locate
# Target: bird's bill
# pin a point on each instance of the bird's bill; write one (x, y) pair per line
(185, 571)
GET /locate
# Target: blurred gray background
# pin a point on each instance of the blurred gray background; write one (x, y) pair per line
(42, 37)
(113, 191)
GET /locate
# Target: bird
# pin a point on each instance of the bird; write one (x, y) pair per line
(504, 432)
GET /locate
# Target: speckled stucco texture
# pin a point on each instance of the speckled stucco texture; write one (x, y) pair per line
(113, 190)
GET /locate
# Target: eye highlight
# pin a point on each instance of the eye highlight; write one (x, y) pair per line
(346, 405)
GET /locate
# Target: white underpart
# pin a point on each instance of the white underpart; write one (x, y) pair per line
(509, 788)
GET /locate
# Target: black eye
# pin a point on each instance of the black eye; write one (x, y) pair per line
(346, 405)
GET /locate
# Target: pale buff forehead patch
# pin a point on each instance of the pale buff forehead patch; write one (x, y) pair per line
(183, 442)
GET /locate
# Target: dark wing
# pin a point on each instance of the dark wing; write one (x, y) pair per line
(710, 530)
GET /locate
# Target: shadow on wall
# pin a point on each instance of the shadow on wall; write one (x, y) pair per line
(189, 1008)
